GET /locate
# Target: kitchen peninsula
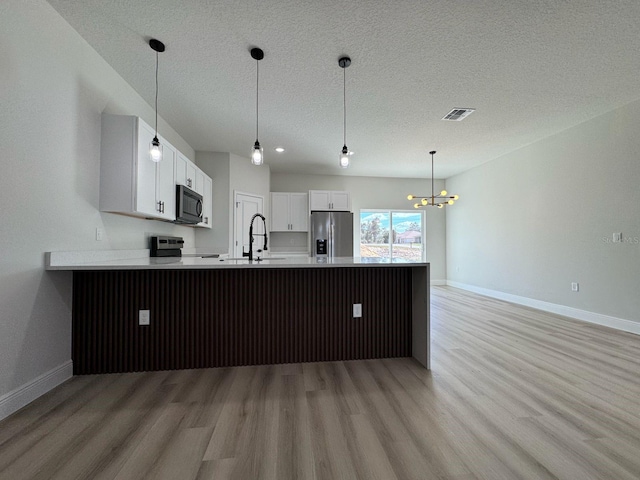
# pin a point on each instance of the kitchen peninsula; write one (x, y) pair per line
(211, 312)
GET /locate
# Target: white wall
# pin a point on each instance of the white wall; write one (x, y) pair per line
(378, 192)
(230, 173)
(531, 222)
(216, 239)
(53, 89)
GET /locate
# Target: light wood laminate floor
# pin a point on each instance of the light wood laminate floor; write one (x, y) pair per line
(513, 393)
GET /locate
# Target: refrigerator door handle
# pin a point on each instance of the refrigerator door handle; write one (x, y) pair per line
(331, 240)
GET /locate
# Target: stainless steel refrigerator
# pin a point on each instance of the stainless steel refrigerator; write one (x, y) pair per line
(331, 234)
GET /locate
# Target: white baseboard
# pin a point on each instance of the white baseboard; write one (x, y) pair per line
(27, 393)
(438, 282)
(576, 313)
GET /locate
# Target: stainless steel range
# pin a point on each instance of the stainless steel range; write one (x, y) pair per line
(166, 246)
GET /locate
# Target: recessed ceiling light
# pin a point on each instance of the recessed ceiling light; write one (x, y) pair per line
(279, 149)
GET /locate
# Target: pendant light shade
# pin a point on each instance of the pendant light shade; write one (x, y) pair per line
(155, 149)
(344, 157)
(433, 200)
(344, 62)
(257, 152)
(257, 155)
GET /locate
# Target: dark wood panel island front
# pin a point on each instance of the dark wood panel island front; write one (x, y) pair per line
(209, 313)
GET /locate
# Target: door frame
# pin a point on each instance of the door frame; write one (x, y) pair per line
(235, 239)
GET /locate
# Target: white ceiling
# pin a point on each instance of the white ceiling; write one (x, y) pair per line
(531, 68)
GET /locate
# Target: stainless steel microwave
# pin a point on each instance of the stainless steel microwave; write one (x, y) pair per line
(188, 206)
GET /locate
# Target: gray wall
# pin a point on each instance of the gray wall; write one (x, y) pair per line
(53, 88)
(377, 192)
(533, 221)
(216, 165)
(230, 174)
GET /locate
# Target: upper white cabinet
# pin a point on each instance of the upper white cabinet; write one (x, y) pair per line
(185, 172)
(329, 200)
(289, 212)
(130, 182)
(199, 180)
(207, 202)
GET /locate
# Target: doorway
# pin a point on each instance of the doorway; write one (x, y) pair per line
(246, 206)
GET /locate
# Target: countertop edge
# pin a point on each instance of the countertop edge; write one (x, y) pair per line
(133, 260)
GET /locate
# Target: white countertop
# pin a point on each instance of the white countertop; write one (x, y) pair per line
(140, 260)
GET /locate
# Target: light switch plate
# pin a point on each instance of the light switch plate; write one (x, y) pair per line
(575, 286)
(357, 310)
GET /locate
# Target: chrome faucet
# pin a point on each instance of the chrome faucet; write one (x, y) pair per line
(250, 252)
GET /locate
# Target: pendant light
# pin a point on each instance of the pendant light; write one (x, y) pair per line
(257, 153)
(433, 200)
(155, 148)
(344, 62)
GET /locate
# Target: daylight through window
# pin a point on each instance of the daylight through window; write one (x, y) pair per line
(392, 234)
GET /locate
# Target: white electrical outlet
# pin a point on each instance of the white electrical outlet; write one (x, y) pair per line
(617, 237)
(144, 317)
(99, 234)
(575, 286)
(357, 310)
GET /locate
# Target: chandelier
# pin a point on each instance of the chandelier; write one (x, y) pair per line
(433, 200)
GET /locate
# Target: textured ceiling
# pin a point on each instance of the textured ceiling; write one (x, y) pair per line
(531, 68)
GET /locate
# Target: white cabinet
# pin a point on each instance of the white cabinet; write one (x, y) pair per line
(207, 204)
(329, 200)
(289, 212)
(199, 176)
(185, 172)
(130, 182)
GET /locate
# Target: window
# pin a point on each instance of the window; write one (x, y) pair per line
(392, 234)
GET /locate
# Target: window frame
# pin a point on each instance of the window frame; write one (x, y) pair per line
(390, 212)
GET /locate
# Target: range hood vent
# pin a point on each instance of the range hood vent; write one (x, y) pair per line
(458, 114)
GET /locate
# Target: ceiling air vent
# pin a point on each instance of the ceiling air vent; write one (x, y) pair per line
(458, 114)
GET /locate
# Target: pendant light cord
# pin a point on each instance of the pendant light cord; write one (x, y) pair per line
(432, 193)
(257, 93)
(156, 93)
(344, 103)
